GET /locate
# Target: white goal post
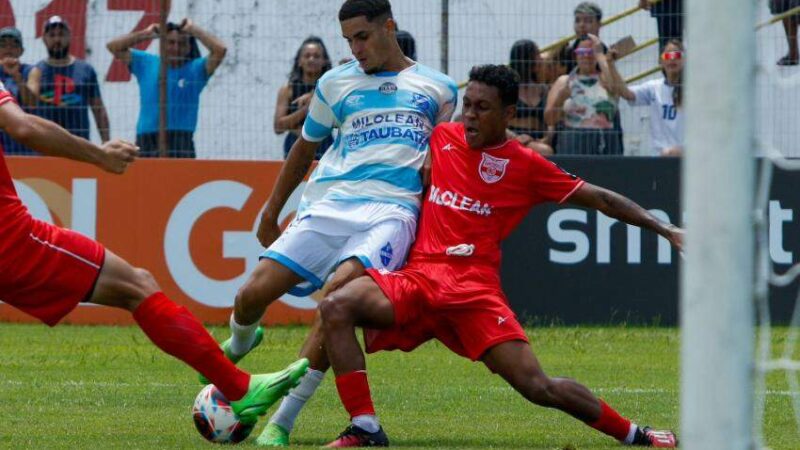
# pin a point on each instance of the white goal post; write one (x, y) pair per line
(717, 309)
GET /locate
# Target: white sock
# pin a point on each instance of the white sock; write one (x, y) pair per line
(292, 404)
(631, 434)
(367, 422)
(242, 336)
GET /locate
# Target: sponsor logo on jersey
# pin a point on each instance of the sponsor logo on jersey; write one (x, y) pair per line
(354, 100)
(386, 254)
(421, 102)
(501, 320)
(448, 147)
(459, 202)
(388, 88)
(492, 169)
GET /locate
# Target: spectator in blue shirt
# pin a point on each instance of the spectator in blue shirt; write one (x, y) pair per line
(187, 75)
(14, 75)
(66, 87)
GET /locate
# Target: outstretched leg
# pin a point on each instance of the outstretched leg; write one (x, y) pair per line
(282, 421)
(358, 304)
(516, 363)
(177, 332)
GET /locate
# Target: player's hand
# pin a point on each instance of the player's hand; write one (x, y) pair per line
(117, 155)
(268, 230)
(304, 100)
(675, 236)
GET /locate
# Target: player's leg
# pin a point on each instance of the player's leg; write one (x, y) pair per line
(304, 253)
(359, 303)
(267, 283)
(282, 421)
(177, 332)
(517, 364)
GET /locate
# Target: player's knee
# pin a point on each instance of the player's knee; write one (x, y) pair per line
(146, 282)
(249, 295)
(335, 311)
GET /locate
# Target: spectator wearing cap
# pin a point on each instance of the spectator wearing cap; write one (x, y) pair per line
(187, 74)
(65, 87)
(14, 75)
(669, 18)
(790, 23)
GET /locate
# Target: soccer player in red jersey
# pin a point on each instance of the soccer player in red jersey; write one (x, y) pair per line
(46, 271)
(482, 185)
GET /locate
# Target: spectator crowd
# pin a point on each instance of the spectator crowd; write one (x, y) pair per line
(568, 102)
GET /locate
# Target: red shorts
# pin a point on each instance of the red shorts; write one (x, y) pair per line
(461, 305)
(46, 270)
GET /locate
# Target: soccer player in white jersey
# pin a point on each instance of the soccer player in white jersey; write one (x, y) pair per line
(359, 209)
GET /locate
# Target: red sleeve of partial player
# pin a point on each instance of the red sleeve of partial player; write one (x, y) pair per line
(5, 96)
(549, 182)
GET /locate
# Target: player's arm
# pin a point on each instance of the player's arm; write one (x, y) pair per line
(292, 173)
(52, 140)
(626, 210)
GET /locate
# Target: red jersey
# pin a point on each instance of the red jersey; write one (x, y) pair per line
(12, 211)
(477, 197)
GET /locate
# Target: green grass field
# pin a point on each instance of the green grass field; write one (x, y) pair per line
(101, 387)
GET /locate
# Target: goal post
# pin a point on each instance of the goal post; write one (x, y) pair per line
(717, 309)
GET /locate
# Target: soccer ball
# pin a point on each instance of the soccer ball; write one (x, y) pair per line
(215, 420)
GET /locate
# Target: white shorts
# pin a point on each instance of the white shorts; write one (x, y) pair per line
(313, 246)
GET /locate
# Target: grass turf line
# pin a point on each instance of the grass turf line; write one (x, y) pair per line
(76, 387)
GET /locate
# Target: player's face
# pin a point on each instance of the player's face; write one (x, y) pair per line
(586, 24)
(484, 115)
(369, 41)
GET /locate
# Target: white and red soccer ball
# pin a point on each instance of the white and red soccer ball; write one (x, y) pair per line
(215, 420)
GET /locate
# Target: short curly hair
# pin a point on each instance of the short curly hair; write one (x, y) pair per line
(502, 77)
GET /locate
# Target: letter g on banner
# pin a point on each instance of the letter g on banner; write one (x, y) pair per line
(235, 244)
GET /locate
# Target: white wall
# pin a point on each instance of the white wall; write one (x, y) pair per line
(262, 35)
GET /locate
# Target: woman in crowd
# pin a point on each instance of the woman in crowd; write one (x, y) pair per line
(528, 126)
(664, 96)
(187, 74)
(585, 100)
(310, 63)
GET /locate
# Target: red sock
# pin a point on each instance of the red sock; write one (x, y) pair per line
(353, 389)
(177, 332)
(611, 423)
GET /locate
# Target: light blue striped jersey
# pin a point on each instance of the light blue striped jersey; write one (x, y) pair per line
(384, 122)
